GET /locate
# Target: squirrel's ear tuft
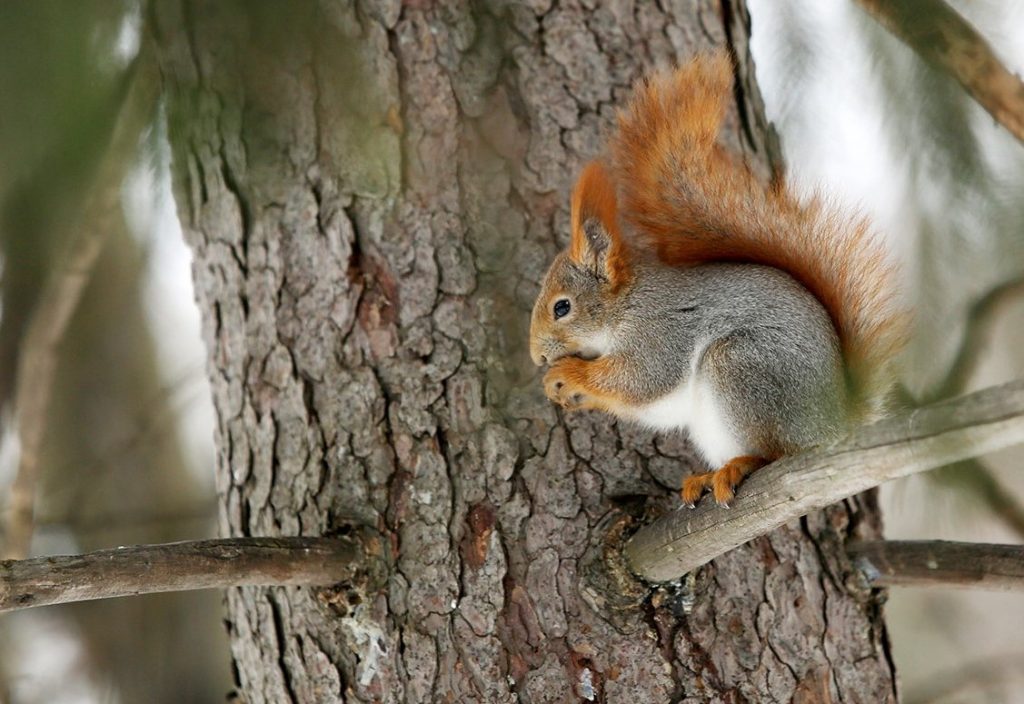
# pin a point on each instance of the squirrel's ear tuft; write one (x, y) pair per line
(596, 238)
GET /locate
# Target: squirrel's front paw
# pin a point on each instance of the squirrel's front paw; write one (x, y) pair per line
(561, 388)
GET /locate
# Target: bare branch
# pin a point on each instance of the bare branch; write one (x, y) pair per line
(945, 39)
(201, 564)
(975, 477)
(981, 319)
(922, 439)
(37, 357)
(926, 563)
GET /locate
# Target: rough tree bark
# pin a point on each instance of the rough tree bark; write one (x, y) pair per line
(372, 193)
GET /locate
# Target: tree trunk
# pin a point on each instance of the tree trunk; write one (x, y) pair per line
(372, 194)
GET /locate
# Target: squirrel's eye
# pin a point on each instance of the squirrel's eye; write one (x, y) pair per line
(561, 308)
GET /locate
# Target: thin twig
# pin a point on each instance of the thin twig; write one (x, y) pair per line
(926, 563)
(975, 477)
(1001, 500)
(945, 39)
(201, 564)
(922, 439)
(37, 356)
(981, 319)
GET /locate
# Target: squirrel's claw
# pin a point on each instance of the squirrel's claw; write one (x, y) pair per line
(694, 487)
(724, 487)
(722, 482)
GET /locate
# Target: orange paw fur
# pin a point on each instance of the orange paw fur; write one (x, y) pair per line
(562, 385)
(722, 483)
(694, 486)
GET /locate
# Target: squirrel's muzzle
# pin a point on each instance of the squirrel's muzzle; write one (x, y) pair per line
(537, 354)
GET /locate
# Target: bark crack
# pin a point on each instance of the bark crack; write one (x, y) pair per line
(281, 638)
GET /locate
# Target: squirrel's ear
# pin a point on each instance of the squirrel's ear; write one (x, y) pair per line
(596, 238)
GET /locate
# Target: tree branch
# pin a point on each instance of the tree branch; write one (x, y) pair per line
(37, 357)
(981, 319)
(975, 477)
(945, 39)
(925, 563)
(201, 564)
(922, 439)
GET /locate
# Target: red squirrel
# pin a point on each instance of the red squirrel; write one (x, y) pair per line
(692, 296)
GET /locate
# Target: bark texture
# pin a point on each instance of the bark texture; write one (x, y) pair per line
(372, 193)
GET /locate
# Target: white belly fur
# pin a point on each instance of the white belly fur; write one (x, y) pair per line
(691, 406)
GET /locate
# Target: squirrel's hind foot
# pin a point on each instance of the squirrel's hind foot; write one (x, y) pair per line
(722, 482)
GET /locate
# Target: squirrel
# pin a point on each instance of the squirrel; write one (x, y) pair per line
(693, 296)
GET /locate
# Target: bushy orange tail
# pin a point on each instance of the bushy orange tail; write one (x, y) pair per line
(694, 202)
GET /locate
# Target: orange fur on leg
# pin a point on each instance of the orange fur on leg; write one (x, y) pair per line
(694, 486)
(722, 482)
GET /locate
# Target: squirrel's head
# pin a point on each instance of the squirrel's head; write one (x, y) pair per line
(572, 312)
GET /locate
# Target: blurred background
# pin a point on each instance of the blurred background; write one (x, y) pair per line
(861, 114)
(128, 450)
(128, 453)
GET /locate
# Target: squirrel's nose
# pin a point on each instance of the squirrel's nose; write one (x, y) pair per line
(538, 357)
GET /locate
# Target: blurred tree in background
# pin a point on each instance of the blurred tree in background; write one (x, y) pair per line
(113, 472)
